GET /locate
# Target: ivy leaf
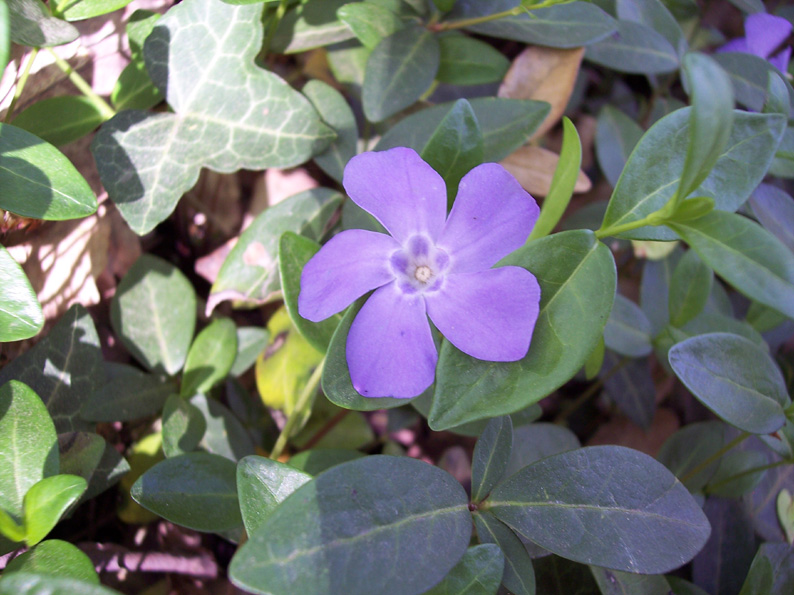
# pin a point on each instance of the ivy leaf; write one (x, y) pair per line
(410, 513)
(229, 114)
(32, 25)
(584, 505)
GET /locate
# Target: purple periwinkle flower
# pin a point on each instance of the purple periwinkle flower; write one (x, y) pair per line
(430, 265)
(763, 34)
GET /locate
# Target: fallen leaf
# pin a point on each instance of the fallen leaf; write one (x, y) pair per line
(534, 168)
(543, 74)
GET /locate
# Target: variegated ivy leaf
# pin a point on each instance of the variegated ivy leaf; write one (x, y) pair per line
(228, 113)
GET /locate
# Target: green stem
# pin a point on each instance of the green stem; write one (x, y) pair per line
(497, 15)
(273, 25)
(613, 230)
(79, 82)
(300, 405)
(21, 84)
(715, 457)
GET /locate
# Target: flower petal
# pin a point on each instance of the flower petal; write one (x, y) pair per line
(390, 349)
(489, 315)
(735, 45)
(492, 216)
(400, 190)
(348, 266)
(765, 32)
(780, 60)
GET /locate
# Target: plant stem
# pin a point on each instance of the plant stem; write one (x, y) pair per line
(613, 230)
(281, 10)
(79, 82)
(330, 425)
(748, 472)
(303, 400)
(497, 15)
(21, 83)
(715, 457)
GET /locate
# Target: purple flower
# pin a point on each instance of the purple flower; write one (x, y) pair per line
(429, 265)
(763, 35)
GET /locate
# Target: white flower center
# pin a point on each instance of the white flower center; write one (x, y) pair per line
(423, 273)
(419, 265)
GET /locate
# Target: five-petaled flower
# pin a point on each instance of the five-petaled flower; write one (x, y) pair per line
(763, 34)
(429, 265)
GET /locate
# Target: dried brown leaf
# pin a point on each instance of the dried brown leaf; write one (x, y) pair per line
(534, 168)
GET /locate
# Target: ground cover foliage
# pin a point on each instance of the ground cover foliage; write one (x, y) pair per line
(183, 411)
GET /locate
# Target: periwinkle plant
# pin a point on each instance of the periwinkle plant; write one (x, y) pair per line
(417, 296)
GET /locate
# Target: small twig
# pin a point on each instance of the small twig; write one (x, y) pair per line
(23, 79)
(303, 400)
(330, 425)
(79, 82)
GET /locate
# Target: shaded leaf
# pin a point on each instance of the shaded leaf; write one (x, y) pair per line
(631, 388)
(369, 22)
(774, 208)
(183, 426)
(518, 573)
(60, 120)
(634, 48)
(690, 288)
(130, 396)
(336, 113)
(468, 61)
(490, 458)
(251, 341)
(20, 311)
(225, 435)
(210, 357)
(628, 330)
(479, 572)
(31, 24)
(310, 25)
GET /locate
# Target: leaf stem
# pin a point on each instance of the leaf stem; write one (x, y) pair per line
(21, 84)
(653, 219)
(715, 457)
(747, 472)
(303, 400)
(79, 82)
(520, 9)
(275, 20)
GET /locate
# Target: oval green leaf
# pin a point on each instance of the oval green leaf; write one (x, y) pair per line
(734, 378)
(479, 572)
(336, 113)
(24, 583)
(46, 502)
(634, 48)
(55, 558)
(20, 311)
(584, 505)
(628, 330)
(210, 357)
(183, 426)
(490, 458)
(133, 395)
(690, 287)
(469, 61)
(577, 281)
(60, 120)
(196, 490)
(518, 573)
(38, 180)
(412, 514)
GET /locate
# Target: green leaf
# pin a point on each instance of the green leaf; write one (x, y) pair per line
(315, 461)
(294, 252)
(38, 181)
(10, 529)
(23, 583)
(690, 287)
(577, 281)
(760, 579)
(537, 441)
(614, 582)
(710, 121)
(250, 271)
(20, 311)
(55, 558)
(745, 255)
(468, 61)
(107, 472)
(310, 25)
(60, 120)
(337, 114)
(369, 22)
(210, 357)
(81, 453)
(636, 49)
(628, 330)
(616, 137)
(399, 70)
(196, 490)
(225, 435)
(562, 183)
(563, 26)
(336, 382)
(306, 545)
(183, 426)
(584, 505)
(46, 502)
(518, 573)
(139, 26)
(505, 123)
(154, 314)
(656, 15)
(734, 378)
(689, 447)
(79, 10)
(134, 88)
(5, 38)
(594, 361)
(251, 341)
(130, 396)
(263, 484)
(490, 458)
(739, 473)
(32, 25)
(479, 572)
(631, 388)
(653, 171)
(64, 368)
(750, 77)
(693, 208)
(455, 147)
(227, 117)
(774, 209)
